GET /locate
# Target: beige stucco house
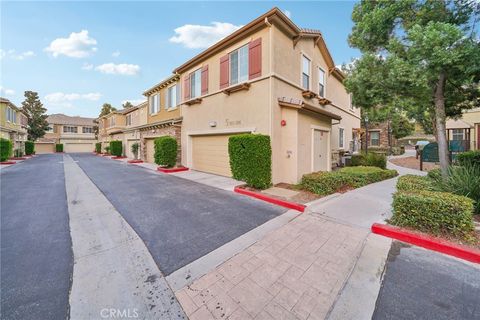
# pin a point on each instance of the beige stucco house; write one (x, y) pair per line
(269, 77)
(75, 133)
(466, 129)
(13, 124)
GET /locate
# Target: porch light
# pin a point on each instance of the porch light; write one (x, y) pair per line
(212, 124)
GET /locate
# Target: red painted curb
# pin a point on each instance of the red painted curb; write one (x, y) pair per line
(428, 242)
(106, 155)
(283, 203)
(118, 158)
(59, 152)
(17, 158)
(135, 161)
(171, 170)
(7, 162)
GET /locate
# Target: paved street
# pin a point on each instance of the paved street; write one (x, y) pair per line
(36, 253)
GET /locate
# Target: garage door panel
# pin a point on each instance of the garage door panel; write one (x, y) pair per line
(210, 154)
(41, 148)
(78, 147)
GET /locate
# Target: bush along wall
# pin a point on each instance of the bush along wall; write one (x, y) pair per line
(98, 147)
(5, 149)
(371, 159)
(166, 151)
(251, 159)
(469, 158)
(59, 147)
(116, 148)
(29, 147)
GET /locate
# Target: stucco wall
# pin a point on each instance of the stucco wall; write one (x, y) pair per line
(163, 114)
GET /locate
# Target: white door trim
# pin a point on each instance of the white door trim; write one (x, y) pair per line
(329, 153)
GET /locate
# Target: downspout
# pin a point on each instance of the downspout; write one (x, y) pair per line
(270, 90)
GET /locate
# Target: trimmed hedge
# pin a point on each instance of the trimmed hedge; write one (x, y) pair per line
(251, 159)
(433, 212)
(116, 148)
(469, 158)
(412, 182)
(5, 149)
(98, 147)
(59, 147)
(166, 151)
(29, 148)
(371, 159)
(325, 183)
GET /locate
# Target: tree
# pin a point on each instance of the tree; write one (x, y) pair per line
(421, 56)
(127, 105)
(37, 123)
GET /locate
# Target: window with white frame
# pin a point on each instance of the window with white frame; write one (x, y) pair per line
(374, 138)
(351, 102)
(321, 82)
(172, 97)
(87, 130)
(112, 121)
(10, 115)
(128, 119)
(14, 116)
(239, 65)
(154, 103)
(305, 73)
(70, 129)
(196, 84)
(457, 134)
(341, 138)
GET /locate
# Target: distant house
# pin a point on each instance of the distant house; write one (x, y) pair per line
(463, 134)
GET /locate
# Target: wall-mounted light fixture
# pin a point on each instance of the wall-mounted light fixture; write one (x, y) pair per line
(212, 124)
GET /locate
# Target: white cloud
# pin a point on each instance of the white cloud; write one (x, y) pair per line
(6, 91)
(287, 13)
(122, 68)
(116, 54)
(66, 98)
(87, 66)
(198, 36)
(16, 56)
(77, 45)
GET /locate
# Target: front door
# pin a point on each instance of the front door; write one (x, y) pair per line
(320, 150)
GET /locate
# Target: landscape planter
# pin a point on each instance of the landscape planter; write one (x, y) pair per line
(171, 170)
(283, 203)
(135, 161)
(7, 162)
(119, 157)
(428, 242)
(17, 158)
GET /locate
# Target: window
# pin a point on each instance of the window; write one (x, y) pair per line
(9, 114)
(50, 128)
(239, 65)
(457, 134)
(129, 119)
(87, 129)
(341, 138)
(155, 103)
(374, 138)
(112, 121)
(351, 102)
(70, 129)
(14, 116)
(172, 97)
(321, 83)
(305, 73)
(196, 84)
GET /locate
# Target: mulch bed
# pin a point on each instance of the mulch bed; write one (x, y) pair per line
(413, 163)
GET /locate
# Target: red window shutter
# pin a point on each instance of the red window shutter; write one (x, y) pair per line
(186, 88)
(255, 58)
(224, 78)
(205, 80)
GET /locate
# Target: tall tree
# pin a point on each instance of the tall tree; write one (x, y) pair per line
(419, 55)
(127, 105)
(36, 116)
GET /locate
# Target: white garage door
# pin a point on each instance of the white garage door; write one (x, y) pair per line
(41, 148)
(210, 154)
(78, 147)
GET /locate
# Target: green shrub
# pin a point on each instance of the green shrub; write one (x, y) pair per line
(435, 212)
(5, 149)
(98, 147)
(325, 183)
(251, 159)
(116, 148)
(135, 147)
(434, 174)
(412, 182)
(469, 157)
(107, 149)
(29, 147)
(371, 159)
(166, 151)
(18, 153)
(59, 147)
(357, 160)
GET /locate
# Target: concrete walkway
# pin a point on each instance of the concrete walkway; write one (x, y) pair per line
(113, 270)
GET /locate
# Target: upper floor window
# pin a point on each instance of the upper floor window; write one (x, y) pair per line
(239, 65)
(87, 129)
(196, 83)
(172, 97)
(50, 128)
(70, 129)
(341, 138)
(112, 121)
(305, 73)
(321, 82)
(11, 115)
(155, 103)
(128, 119)
(351, 102)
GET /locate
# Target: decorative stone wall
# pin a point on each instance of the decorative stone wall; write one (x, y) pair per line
(381, 127)
(174, 130)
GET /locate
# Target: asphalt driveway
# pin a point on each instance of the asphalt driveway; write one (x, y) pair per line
(36, 253)
(179, 220)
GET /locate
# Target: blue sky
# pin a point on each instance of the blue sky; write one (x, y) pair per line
(79, 55)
